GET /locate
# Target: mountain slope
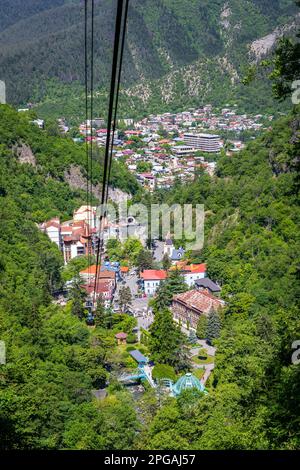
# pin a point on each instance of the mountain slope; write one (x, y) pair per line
(165, 37)
(252, 249)
(35, 168)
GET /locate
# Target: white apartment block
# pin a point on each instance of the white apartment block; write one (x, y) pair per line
(206, 142)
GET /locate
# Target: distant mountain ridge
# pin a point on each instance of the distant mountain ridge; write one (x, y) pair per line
(176, 51)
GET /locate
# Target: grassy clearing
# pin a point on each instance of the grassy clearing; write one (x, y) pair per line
(199, 360)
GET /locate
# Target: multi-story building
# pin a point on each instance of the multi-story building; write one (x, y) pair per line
(183, 150)
(87, 214)
(104, 274)
(77, 239)
(206, 284)
(53, 229)
(209, 143)
(152, 279)
(190, 272)
(103, 288)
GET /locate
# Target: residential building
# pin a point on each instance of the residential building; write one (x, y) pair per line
(177, 255)
(207, 284)
(189, 306)
(103, 287)
(183, 150)
(192, 272)
(152, 279)
(86, 214)
(53, 229)
(103, 274)
(77, 238)
(147, 180)
(206, 142)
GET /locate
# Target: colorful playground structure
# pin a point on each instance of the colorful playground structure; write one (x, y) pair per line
(144, 372)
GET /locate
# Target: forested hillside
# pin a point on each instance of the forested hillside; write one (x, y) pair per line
(252, 249)
(176, 53)
(54, 360)
(252, 245)
(35, 163)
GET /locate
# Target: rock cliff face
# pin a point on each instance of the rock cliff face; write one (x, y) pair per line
(261, 47)
(24, 154)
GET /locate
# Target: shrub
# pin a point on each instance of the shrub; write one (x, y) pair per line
(131, 338)
(202, 354)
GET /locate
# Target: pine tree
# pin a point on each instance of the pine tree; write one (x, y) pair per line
(100, 315)
(213, 326)
(202, 327)
(78, 297)
(144, 260)
(192, 337)
(166, 262)
(125, 298)
(176, 282)
(167, 342)
(173, 285)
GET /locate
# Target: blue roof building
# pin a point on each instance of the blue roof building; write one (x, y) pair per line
(177, 255)
(139, 357)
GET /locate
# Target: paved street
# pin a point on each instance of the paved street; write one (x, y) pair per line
(158, 251)
(203, 344)
(139, 305)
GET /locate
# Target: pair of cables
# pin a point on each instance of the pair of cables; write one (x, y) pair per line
(89, 22)
(117, 60)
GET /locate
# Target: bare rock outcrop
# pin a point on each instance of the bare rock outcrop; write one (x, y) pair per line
(24, 154)
(76, 180)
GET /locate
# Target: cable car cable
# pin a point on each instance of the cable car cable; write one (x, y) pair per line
(114, 90)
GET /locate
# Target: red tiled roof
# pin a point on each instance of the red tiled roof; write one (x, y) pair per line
(66, 228)
(147, 175)
(121, 335)
(132, 132)
(69, 239)
(124, 269)
(52, 223)
(201, 301)
(101, 274)
(153, 274)
(90, 270)
(101, 287)
(196, 268)
(79, 223)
